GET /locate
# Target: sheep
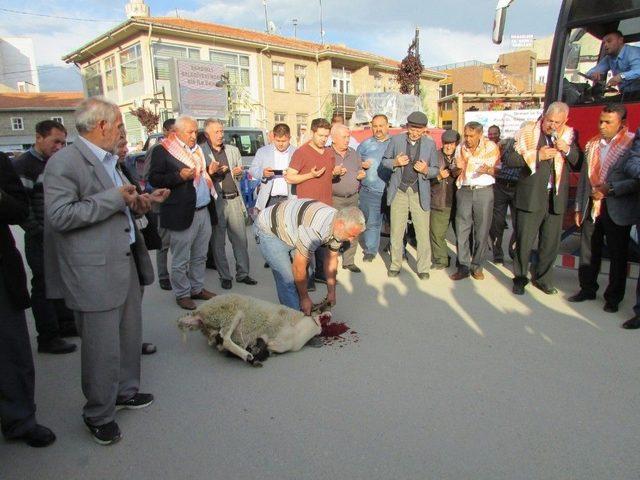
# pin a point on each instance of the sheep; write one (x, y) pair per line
(251, 328)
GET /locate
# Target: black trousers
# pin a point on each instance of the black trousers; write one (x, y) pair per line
(48, 314)
(17, 375)
(592, 241)
(503, 199)
(547, 227)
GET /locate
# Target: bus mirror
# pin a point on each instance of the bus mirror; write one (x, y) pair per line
(573, 57)
(499, 21)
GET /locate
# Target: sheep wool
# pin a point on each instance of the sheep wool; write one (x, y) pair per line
(260, 319)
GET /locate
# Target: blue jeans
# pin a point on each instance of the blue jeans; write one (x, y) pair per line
(276, 254)
(371, 206)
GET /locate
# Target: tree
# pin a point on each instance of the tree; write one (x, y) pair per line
(147, 118)
(411, 67)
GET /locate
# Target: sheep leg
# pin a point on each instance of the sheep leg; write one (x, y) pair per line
(229, 344)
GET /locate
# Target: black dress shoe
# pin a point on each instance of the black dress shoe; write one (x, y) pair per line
(518, 289)
(165, 284)
(368, 257)
(632, 323)
(549, 290)
(610, 307)
(248, 281)
(225, 283)
(393, 273)
(581, 296)
(104, 434)
(56, 345)
(138, 401)
(351, 268)
(68, 329)
(39, 436)
(148, 349)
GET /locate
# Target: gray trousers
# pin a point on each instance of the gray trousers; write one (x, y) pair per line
(402, 204)
(189, 255)
(474, 211)
(110, 353)
(162, 253)
(231, 223)
(349, 255)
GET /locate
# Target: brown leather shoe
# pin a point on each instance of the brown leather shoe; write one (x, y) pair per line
(203, 295)
(478, 275)
(458, 275)
(186, 303)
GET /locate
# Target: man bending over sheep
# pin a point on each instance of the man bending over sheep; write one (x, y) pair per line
(303, 226)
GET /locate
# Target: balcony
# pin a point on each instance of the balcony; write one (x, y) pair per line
(344, 102)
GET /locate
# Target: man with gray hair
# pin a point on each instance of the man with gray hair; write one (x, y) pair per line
(225, 166)
(300, 227)
(346, 184)
(545, 150)
(97, 260)
(179, 165)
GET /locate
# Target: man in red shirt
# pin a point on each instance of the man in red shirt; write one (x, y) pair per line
(311, 171)
(312, 165)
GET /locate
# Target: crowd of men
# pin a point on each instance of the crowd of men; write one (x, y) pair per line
(90, 221)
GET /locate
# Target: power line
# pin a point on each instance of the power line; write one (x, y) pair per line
(18, 12)
(38, 69)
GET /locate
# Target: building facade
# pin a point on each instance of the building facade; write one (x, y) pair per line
(269, 78)
(18, 69)
(20, 112)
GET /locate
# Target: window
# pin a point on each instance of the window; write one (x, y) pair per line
(280, 117)
(131, 65)
(60, 120)
(247, 142)
(277, 73)
(17, 123)
(301, 78)
(236, 66)
(488, 88)
(341, 81)
(110, 73)
(447, 106)
(93, 80)
(377, 82)
(163, 55)
(447, 124)
(446, 90)
(301, 121)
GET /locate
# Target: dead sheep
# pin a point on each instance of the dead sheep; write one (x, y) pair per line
(251, 328)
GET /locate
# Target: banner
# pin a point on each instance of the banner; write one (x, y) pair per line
(509, 121)
(194, 91)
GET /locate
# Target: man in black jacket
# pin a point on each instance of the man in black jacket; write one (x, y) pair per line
(17, 376)
(545, 150)
(52, 318)
(179, 165)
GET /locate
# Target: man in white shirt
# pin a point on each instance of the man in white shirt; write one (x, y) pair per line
(270, 165)
(477, 158)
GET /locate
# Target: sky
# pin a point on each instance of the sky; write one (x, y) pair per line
(452, 31)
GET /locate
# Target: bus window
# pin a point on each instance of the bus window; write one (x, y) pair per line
(580, 55)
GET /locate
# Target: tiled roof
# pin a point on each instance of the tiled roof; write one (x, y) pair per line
(249, 36)
(46, 100)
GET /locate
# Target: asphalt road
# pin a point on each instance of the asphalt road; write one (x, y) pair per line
(445, 381)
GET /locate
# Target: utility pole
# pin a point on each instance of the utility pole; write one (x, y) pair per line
(295, 27)
(416, 88)
(321, 29)
(266, 17)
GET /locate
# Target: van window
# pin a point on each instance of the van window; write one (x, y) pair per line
(247, 142)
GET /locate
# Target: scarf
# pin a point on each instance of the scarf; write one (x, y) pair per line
(487, 152)
(191, 160)
(527, 146)
(598, 168)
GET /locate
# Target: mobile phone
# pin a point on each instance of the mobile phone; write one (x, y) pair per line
(277, 173)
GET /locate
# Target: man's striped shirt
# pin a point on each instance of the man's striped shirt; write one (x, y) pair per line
(303, 224)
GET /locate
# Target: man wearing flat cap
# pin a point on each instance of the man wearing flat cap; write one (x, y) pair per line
(413, 159)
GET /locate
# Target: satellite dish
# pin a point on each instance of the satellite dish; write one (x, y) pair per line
(272, 27)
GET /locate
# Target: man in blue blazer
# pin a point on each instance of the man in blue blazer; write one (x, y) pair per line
(413, 159)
